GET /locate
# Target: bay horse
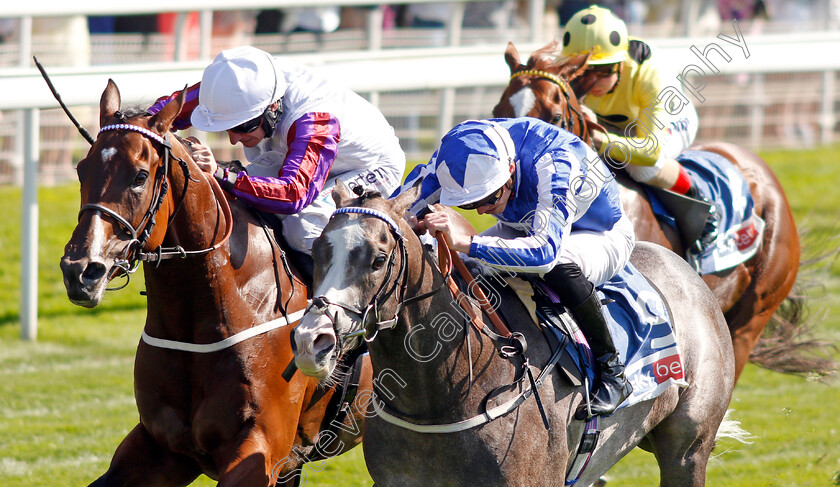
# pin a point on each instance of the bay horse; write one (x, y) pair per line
(750, 293)
(221, 296)
(433, 372)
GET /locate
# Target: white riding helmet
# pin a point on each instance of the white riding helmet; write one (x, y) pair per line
(473, 161)
(237, 87)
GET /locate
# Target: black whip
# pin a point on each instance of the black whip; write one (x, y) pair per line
(82, 130)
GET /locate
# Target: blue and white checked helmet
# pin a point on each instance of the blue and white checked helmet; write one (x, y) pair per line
(473, 161)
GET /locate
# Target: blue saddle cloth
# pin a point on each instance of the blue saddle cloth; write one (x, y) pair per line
(642, 332)
(739, 227)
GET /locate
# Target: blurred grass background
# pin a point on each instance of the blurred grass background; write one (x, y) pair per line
(67, 401)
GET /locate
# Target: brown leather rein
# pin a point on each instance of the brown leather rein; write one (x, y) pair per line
(447, 258)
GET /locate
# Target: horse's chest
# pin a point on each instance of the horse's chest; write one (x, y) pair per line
(188, 410)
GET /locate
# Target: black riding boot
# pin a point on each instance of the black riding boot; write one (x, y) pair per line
(579, 296)
(710, 228)
(697, 218)
(613, 388)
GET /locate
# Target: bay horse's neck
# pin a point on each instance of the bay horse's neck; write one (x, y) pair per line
(193, 290)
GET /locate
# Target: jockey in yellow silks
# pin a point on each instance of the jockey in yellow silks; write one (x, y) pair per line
(630, 90)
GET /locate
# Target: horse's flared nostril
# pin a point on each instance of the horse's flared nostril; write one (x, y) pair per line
(323, 344)
(93, 272)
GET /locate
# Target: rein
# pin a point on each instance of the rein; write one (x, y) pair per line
(133, 252)
(447, 258)
(222, 344)
(516, 341)
(372, 308)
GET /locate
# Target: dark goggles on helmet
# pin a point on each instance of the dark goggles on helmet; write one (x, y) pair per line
(603, 71)
(249, 126)
(490, 200)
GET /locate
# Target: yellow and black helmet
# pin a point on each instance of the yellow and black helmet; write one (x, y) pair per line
(596, 28)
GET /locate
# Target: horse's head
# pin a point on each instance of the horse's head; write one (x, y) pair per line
(362, 262)
(541, 88)
(123, 188)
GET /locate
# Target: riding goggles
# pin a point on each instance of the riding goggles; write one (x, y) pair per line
(604, 71)
(490, 200)
(249, 126)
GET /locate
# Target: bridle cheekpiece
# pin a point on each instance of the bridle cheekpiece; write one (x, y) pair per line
(372, 308)
(133, 252)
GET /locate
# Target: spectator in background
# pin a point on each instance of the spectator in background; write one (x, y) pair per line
(319, 19)
(741, 9)
(190, 36)
(9, 29)
(233, 28)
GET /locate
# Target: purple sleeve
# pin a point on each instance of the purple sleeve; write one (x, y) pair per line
(182, 121)
(313, 142)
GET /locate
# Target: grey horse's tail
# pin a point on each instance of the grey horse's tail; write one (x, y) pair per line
(731, 429)
(788, 343)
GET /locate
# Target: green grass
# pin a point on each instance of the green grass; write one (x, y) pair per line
(67, 400)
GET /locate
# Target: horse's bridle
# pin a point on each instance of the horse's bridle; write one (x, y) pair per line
(133, 252)
(568, 122)
(370, 330)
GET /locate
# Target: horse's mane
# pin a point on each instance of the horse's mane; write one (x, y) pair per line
(549, 58)
(546, 55)
(365, 194)
(127, 113)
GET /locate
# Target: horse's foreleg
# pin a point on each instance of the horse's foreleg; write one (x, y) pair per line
(251, 471)
(141, 461)
(251, 466)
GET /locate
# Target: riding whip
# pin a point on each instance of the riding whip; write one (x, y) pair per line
(82, 130)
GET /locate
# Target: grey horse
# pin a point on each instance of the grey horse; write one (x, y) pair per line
(432, 369)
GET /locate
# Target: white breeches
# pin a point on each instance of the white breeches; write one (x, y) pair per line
(600, 255)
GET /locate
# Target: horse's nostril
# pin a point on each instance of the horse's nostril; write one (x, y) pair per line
(324, 343)
(93, 272)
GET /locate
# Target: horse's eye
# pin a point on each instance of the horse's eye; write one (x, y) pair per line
(140, 179)
(378, 262)
(556, 119)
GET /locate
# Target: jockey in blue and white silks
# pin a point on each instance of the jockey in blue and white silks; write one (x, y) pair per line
(559, 217)
(545, 222)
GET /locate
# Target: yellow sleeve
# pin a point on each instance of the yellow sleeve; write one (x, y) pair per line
(643, 136)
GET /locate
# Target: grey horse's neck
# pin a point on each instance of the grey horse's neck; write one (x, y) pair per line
(427, 357)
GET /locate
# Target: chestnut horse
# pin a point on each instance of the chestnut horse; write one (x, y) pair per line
(750, 293)
(451, 410)
(207, 376)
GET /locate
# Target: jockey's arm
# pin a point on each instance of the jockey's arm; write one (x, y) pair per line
(639, 142)
(550, 222)
(313, 143)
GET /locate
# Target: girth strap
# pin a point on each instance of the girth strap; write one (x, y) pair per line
(487, 415)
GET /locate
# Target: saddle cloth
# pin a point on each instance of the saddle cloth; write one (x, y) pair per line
(641, 329)
(739, 227)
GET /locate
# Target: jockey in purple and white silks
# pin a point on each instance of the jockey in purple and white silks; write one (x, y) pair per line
(559, 217)
(300, 133)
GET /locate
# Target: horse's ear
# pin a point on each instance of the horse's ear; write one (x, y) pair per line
(576, 66)
(406, 199)
(512, 58)
(163, 119)
(341, 194)
(109, 103)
